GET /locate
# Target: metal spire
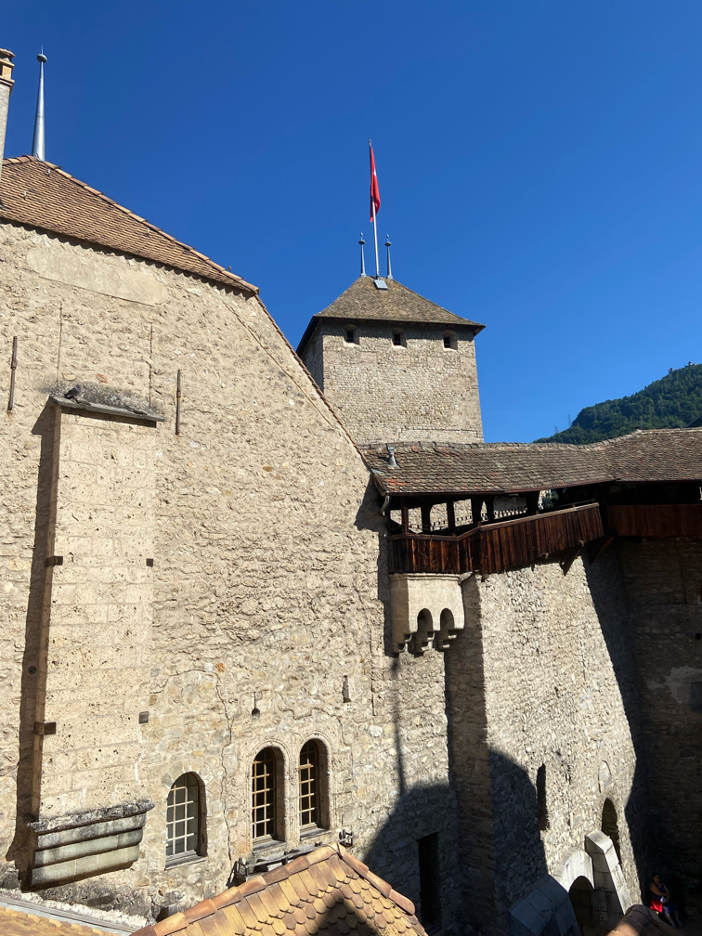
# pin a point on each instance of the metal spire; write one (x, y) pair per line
(38, 144)
(388, 245)
(363, 259)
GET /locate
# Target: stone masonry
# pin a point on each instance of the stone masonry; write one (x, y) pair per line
(416, 391)
(262, 619)
(532, 683)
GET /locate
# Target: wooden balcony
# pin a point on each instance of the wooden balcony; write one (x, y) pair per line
(654, 520)
(496, 547)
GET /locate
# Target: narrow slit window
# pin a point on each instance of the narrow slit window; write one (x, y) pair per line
(429, 882)
(541, 798)
(263, 794)
(183, 833)
(350, 335)
(309, 785)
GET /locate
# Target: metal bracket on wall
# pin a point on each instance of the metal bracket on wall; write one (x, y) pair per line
(178, 398)
(13, 368)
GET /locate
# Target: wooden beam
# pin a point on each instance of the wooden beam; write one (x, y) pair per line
(598, 547)
(568, 557)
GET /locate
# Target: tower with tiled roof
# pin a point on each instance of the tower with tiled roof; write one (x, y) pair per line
(395, 366)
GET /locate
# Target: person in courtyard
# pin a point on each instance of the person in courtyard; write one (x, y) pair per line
(661, 902)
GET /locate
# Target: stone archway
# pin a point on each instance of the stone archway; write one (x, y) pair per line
(581, 894)
(577, 863)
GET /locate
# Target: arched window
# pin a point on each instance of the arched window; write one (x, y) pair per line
(610, 825)
(309, 785)
(266, 792)
(185, 811)
(313, 787)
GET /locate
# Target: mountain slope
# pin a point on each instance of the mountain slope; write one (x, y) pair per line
(670, 403)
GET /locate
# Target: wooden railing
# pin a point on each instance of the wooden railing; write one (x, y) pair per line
(496, 547)
(655, 520)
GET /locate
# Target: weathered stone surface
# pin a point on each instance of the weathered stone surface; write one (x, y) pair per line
(266, 590)
(413, 392)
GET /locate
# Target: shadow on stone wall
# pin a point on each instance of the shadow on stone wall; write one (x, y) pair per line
(33, 685)
(419, 813)
(501, 855)
(614, 613)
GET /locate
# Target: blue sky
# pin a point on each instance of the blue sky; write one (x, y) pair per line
(539, 163)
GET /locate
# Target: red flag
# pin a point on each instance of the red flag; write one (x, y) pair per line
(375, 191)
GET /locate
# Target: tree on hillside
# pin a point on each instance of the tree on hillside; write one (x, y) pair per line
(670, 403)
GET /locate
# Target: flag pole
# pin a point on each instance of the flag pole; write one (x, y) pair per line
(375, 237)
(375, 224)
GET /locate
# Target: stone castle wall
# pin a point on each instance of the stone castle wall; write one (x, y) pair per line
(537, 679)
(663, 580)
(418, 391)
(267, 594)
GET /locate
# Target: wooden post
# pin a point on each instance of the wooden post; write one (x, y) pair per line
(405, 516)
(476, 508)
(490, 504)
(451, 514)
(426, 518)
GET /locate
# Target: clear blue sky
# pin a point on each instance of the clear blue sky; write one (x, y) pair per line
(540, 163)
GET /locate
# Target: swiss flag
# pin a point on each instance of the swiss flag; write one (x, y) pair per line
(375, 191)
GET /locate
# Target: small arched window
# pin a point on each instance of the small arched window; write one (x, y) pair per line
(309, 785)
(610, 825)
(185, 826)
(266, 806)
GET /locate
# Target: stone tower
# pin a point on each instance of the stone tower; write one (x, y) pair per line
(395, 366)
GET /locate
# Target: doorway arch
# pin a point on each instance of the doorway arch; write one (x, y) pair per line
(581, 896)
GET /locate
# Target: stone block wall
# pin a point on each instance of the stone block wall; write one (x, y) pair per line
(664, 585)
(417, 391)
(269, 620)
(533, 683)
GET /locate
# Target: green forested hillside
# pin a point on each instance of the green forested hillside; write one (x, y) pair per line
(673, 402)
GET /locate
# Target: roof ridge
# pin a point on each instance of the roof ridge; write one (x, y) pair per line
(433, 445)
(232, 896)
(236, 280)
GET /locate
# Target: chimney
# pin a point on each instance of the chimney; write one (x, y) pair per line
(6, 83)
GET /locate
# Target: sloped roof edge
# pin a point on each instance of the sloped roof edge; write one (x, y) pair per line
(438, 468)
(425, 313)
(254, 885)
(208, 268)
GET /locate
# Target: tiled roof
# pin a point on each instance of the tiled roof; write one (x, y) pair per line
(18, 923)
(425, 467)
(42, 195)
(328, 892)
(363, 302)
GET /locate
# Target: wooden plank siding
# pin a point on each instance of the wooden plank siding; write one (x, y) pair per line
(495, 547)
(655, 520)
(516, 543)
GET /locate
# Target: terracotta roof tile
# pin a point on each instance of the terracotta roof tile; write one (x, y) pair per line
(18, 923)
(396, 304)
(335, 893)
(651, 455)
(41, 195)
